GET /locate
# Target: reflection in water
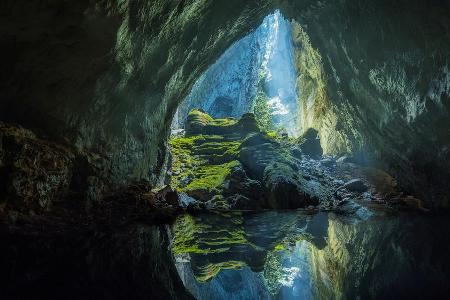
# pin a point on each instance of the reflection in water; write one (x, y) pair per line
(293, 255)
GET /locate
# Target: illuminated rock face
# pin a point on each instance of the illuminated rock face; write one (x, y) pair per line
(108, 76)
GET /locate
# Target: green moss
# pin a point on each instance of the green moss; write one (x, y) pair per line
(184, 162)
(209, 178)
(211, 270)
(208, 148)
(205, 119)
(195, 237)
(202, 162)
(200, 115)
(272, 134)
(207, 239)
(186, 232)
(279, 247)
(223, 122)
(218, 152)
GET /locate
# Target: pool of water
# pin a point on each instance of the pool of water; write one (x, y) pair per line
(296, 255)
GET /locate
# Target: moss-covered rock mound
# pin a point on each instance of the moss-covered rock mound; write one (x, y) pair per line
(233, 164)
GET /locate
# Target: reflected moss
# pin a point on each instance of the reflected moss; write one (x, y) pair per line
(195, 237)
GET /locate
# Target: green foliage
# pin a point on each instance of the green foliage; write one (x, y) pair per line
(223, 122)
(186, 232)
(261, 107)
(273, 272)
(262, 111)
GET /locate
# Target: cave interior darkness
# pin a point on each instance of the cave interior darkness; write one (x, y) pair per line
(260, 149)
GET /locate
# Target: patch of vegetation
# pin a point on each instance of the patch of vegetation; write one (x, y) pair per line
(261, 107)
(223, 122)
(200, 115)
(206, 239)
(211, 270)
(201, 163)
(209, 179)
(273, 272)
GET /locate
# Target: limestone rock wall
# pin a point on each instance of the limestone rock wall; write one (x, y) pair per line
(379, 85)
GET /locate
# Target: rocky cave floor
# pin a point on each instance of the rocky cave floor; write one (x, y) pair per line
(228, 164)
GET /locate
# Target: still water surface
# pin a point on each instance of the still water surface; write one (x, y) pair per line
(294, 255)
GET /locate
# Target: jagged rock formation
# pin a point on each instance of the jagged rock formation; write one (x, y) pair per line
(38, 176)
(373, 86)
(310, 143)
(233, 164)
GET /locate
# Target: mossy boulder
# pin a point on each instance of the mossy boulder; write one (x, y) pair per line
(231, 164)
(199, 122)
(197, 119)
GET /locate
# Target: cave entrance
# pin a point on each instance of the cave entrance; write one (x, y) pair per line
(256, 74)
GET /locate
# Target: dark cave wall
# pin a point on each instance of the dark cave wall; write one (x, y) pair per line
(106, 76)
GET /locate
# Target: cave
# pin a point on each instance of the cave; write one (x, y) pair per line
(191, 149)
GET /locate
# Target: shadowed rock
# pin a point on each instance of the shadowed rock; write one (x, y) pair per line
(310, 143)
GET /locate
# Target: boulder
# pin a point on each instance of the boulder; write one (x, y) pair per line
(344, 159)
(256, 158)
(196, 121)
(283, 188)
(241, 192)
(310, 143)
(199, 122)
(355, 185)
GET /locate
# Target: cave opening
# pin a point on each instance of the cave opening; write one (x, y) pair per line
(256, 74)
